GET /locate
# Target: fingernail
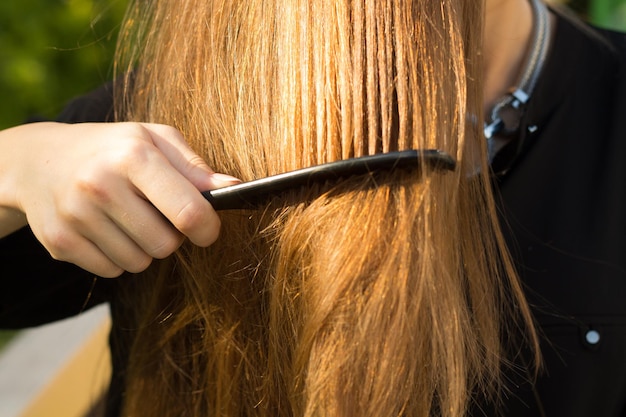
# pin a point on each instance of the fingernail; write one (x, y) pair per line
(223, 178)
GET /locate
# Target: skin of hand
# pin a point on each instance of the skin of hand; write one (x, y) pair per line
(108, 197)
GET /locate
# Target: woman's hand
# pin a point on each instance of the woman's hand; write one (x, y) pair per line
(106, 197)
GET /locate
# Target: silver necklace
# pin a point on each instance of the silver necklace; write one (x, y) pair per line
(504, 119)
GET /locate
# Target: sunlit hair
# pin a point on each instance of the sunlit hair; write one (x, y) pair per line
(377, 296)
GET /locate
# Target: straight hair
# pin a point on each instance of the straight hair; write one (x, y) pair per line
(380, 295)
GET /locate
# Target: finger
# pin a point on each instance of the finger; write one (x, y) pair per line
(176, 198)
(142, 223)
(118, 246)
(104, 217)
(125, 226)
(172, 144)
(64, 244)
(95, 261)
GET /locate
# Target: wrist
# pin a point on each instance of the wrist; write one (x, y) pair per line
(13, 147)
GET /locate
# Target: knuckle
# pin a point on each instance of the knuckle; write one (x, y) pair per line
(196, 161)
(135, 153)
(166, 247)
(134, 148)
(112, 271)
(133, 130)
(164, 130)
(199, 222)
(59, 242)
(190, 217)
(92, 187)
(138, 264)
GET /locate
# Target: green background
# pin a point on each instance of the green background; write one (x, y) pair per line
(53, 50)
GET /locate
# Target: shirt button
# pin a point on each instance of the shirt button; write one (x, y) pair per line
(592, 337)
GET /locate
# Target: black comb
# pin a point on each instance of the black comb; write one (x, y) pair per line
(254, 193)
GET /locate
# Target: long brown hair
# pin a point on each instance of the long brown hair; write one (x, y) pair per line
(378, 296)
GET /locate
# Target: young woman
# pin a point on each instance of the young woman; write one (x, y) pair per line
(374, 296)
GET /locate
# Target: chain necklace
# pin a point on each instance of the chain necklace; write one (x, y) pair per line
(504, 119)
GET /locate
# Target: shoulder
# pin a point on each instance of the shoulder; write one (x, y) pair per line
(583, 76)
(616, 40)
(95, 106)
(584, 39)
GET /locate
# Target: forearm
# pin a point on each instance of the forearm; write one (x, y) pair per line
(11, 218)
(10, 221)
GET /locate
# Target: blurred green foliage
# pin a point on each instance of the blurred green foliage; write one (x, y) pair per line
(609, 14)
(51, 51)
(5, 337)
